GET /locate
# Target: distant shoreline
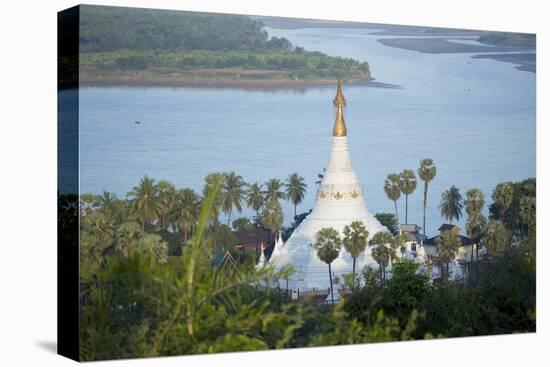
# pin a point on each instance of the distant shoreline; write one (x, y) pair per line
(523, 62)
(381, 28)
(433, 45)
(243, 84)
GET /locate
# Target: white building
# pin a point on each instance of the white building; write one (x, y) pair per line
(339, 201)
(423, 250)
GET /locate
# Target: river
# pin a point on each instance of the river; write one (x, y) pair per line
(474, 117)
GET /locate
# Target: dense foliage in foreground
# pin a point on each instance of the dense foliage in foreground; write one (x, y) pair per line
(136, 302)
(139, 305)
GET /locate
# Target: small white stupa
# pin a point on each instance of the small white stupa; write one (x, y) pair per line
(275, 254)
(261, 261)
(339, 202)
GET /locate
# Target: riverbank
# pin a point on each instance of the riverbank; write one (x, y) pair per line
(525, 62)
(218, 68)
(381, 29)
(226, 83)
(440, 45)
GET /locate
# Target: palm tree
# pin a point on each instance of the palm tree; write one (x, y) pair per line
(384, 251)
(391, 187)
(497, 237)
(474, 203)
(502, 197)
(255, 198)
(295, 189)
(144, 198)
(407, 185)
(152, 245)
(187, 211)
(233, 191)
(426, 172)
(328, 244)
(400, 241)
(447, 244)
(210, 182)
(475, 227)
(451, 204)
(273, 190)
(528, 212)
(355, 241)
(98, 226)
(106, 203)
(127, 237)
(166, 201)
(272, 217)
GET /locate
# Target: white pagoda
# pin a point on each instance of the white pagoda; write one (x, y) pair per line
(339, 202)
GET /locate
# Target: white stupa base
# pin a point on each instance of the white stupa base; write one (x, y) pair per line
(339, 202)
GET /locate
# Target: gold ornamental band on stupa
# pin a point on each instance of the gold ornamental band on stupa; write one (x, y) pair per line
(339, 128)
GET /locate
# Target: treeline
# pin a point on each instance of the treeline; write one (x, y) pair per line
(135, 303)
(512, 211)
(498, 294)
(132, 45)
(114, 28)
(292, 64)
(156, 218)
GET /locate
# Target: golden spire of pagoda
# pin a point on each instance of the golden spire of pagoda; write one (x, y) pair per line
(339, 102)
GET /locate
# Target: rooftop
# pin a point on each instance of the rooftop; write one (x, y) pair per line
(412, 228)
(448, 227)
(465, 241)
(253, 236)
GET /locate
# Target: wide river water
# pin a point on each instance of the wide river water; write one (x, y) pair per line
(474, 117)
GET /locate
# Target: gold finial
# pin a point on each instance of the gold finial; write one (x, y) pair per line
(339, 102)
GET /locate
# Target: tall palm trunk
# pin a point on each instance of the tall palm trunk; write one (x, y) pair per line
(396, 215)
(294, 210)
(330, 278)
(477, 262)
(425, 204)
(229, 218)
(353, 272)
(406, 209)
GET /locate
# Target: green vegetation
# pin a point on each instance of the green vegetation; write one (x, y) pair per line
(407, 185)
(155, 279)
(196, 65)
(447, 246)
(389, 221)
(392, 190)
(295, 189)
(474, 204)
(426, 172)
(355, 242)
(328, 244)
(116, 28)
(154, 46)
(451, 204)
(383, 251)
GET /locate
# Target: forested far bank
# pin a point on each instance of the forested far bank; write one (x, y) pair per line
(147, 46)
(171, 66)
